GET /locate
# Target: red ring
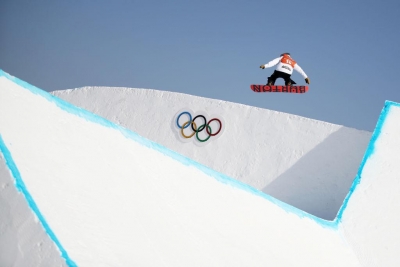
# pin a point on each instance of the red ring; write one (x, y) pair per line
(220, 127)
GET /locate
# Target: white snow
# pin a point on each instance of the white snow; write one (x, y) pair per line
(123, 190)
(291, 158)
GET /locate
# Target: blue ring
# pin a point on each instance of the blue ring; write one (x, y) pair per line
(177, 120)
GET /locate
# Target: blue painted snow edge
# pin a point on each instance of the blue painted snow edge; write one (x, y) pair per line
(369, 152)
(20, 185)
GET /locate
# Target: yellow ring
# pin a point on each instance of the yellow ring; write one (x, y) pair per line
(183, 126)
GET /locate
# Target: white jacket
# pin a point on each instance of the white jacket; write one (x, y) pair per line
(286, 64)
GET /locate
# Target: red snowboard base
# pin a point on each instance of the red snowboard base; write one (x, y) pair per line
(259, 88)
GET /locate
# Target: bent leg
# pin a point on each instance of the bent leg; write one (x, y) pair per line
(272, 78)
(287, 79)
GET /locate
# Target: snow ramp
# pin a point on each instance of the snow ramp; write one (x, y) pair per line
(79, 190)
(309, 164)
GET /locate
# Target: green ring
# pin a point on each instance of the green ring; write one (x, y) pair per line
(200, 129)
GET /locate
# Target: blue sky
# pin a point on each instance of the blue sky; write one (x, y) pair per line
(349, 49)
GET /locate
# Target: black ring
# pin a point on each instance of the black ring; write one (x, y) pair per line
(205, 122)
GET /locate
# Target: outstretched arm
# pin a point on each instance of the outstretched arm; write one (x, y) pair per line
(271, 63)
(300, 70)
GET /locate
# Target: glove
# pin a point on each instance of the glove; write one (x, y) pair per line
(262, 66)
(307, 80)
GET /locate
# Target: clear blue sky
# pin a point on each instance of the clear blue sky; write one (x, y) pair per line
(349, 49)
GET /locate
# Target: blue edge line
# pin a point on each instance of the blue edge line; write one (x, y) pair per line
(186, 161)
(19, 183)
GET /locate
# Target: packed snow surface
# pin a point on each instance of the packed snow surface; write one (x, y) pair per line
(306, 163)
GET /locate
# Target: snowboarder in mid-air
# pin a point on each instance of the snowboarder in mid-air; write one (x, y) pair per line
(284, 69)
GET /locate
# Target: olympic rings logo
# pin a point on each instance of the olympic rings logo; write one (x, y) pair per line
(197, 126)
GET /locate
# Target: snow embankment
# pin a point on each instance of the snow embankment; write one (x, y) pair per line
(108, 197)
(306, 163)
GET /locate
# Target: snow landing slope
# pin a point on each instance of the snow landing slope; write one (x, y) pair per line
(306, 163)
(105, 196)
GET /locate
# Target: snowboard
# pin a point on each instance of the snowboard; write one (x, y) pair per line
(260, 88)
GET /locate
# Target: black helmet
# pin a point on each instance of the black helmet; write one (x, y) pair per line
(285, 54)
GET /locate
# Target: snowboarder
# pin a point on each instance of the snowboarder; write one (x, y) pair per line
(284, 69)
